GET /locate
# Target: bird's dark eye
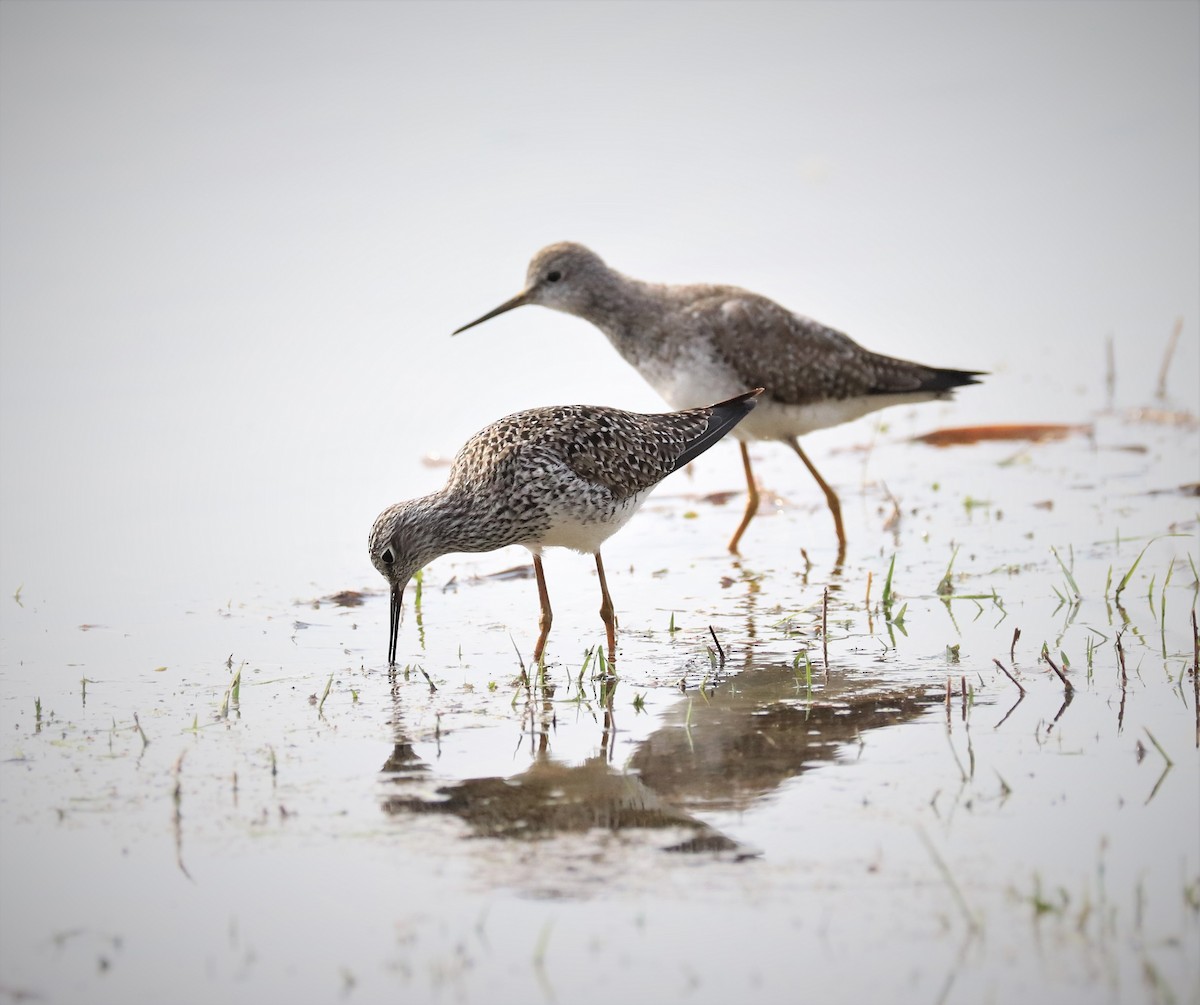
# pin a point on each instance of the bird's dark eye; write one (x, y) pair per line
(387, 557)
(553, 275)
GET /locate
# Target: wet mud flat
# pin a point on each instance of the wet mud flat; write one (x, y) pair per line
(961, 766)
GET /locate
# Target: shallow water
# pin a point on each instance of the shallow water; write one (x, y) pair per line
(225, 315)
(682, 829)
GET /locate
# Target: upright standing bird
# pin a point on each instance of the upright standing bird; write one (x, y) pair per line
(701, 342)
(567, 476)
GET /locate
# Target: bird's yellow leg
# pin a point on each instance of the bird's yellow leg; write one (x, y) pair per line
(606, 612)
(547, 615)
(835, 506)
(751, 501)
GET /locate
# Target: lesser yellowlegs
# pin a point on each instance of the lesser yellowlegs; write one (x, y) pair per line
(701, 342)
(567, 476)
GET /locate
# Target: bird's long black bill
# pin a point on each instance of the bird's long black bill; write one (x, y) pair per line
(394, 629)
(508, 305)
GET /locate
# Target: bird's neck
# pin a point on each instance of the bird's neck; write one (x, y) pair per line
(453, 521)
(630, 312)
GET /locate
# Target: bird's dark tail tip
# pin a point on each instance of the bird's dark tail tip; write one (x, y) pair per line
(747, 400)
(946, 380)
(723, 416)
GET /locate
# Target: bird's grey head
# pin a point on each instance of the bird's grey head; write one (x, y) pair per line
(564, 276)
(397, 552)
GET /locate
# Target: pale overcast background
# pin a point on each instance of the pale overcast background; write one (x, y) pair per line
(235, 237)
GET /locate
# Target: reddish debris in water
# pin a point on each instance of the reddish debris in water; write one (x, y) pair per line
(347, 598)
(1034, 432)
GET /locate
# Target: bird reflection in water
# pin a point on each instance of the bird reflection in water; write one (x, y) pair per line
(740, 742)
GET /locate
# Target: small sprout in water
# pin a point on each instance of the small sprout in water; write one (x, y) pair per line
(671, 626)
(141, 732)
(639, 702)
(803, 655)
(1042, 904)
(1067, 573)
(325, 694)
(946, 586)
(1158, 747)
(887, 585)
(952, 652)
(1129, 575)
(492, 685)
(1191, 895)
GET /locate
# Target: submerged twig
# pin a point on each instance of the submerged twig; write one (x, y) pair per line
(1068, 696)
(177, 816)
(1161, 393)
(1010, 676)
(1067, 685)
(825, 629)
(1196, 674)
(1020, 699)
(1012, 650)
(1125, 680)
(428, 679)
(717, 643)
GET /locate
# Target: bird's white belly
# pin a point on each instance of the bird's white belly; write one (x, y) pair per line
(771, 420)
(582, 532)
